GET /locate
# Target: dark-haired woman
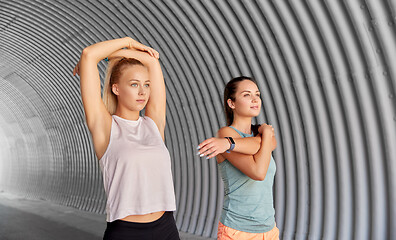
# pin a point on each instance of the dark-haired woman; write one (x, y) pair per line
(132, 155)
(244, 157)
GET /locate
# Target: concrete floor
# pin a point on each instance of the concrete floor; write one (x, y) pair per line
(22, 218)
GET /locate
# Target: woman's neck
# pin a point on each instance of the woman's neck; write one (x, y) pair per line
(243, 124)
(127, 114)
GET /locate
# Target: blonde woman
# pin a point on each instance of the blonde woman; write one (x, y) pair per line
(134, 160)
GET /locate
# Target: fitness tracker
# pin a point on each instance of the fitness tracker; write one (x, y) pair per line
(232, 144)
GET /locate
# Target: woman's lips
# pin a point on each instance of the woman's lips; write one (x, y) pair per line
(141, 101)
(254, 107)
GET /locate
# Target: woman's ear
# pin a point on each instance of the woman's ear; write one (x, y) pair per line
(114, 89)
(230, 103)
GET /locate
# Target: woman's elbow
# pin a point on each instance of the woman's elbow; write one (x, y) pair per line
(86, 53)
(259, 176)
(255, 177)
(87, 56)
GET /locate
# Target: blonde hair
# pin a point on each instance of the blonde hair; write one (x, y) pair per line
(113, 73)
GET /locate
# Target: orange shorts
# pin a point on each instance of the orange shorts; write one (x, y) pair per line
(227, 233)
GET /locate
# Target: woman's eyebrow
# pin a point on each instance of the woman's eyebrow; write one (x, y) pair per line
(136, 80)
(249, 91)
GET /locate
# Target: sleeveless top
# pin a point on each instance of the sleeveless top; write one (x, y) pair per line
(248, 204)
(136, 170)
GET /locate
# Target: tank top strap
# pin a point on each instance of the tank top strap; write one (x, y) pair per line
(241, 133)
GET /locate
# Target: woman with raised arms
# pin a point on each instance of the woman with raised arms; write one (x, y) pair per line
(134, 160)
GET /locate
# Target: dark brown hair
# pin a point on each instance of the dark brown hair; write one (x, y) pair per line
(229, 93)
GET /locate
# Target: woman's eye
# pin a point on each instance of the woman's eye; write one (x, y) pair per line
(147, 85)
(246, 95)
(134, 85)
(258, 95)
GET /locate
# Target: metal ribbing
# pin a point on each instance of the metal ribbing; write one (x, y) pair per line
(323, 67)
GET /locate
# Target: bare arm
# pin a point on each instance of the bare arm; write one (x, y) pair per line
(248, 145)
(97, 117)
(251, 145)
(94, 107)
(254, 166)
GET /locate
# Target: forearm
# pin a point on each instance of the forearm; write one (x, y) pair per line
(143, 57)
(101, 50)
(247, 145)
(251, 145)
(263, 157)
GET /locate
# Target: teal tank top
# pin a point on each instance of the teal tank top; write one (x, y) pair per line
(248, 204)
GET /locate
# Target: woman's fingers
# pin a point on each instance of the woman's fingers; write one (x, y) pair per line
(212, 153)
(149, 51)
(204, 143)
(141, 47)
(206, 150)
(75, 71)
(209, 148)
(152, 52)
(156, 54)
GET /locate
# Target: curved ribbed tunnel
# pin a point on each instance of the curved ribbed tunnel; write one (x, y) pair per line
(324, 69)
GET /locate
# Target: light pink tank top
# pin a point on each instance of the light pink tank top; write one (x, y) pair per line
(136, 170)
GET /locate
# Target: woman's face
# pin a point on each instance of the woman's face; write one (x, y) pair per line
(247, 100)
(133, 88)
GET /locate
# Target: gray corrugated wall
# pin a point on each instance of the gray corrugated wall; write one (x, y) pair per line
(326, 70)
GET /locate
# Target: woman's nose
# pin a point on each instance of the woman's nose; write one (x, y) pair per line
(142, 91)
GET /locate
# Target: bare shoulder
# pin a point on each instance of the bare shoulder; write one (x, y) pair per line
(227, 132)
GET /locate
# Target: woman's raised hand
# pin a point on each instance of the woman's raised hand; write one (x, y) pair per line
(133, 44)
(76, 69)
(266, 130)
(213, 146)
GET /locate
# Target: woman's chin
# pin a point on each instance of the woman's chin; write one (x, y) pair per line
(137, 108)
(255, 113)
(252, 114)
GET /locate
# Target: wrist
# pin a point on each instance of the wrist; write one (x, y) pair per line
(227, 143)
(129, 42)
(266, 139)
(266, 136)
(232, 144)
